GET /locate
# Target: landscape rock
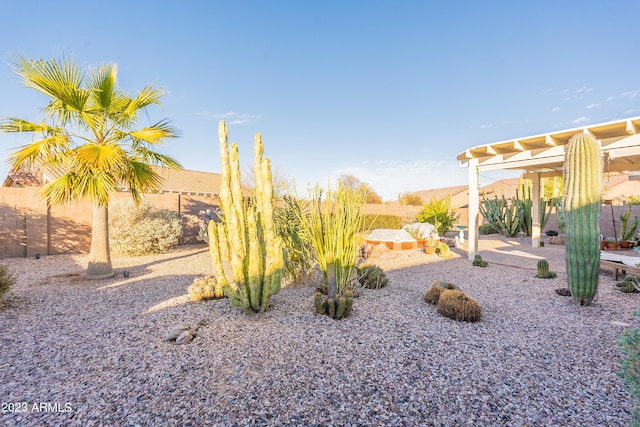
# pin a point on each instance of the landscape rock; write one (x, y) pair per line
(557, 240)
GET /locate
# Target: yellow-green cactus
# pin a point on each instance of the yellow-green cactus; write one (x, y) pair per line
(582, 202)
(245, 239)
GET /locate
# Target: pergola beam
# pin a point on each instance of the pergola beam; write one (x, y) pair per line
(619, 140)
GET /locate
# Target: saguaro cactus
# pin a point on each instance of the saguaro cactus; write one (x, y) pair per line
(245, 240)
(582, 202)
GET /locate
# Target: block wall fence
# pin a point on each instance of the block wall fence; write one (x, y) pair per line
(28, 226)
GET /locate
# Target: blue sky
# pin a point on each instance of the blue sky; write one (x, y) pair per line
(389, 91)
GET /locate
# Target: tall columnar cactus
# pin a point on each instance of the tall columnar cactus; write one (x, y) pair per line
(582, 201)
(246, 239)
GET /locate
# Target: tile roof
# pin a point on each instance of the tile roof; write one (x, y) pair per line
(173, 180)
(188, 181)
(459, 194)
(21, 179)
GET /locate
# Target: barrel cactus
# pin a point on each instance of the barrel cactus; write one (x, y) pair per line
(204, 288)
(442, 249)
(246, 239)
(337, 308)
(436, 289)
(479, 262)
(582, 201)
(543, 270)
(458, 306)
(372, 277)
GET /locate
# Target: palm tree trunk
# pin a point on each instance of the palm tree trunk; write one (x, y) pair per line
(99, 257)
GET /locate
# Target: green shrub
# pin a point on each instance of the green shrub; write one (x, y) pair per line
(142, 229)
(629, 342)
(409, 199)
(6, 280)
(372, 277)
(487, 229)
(372, 221)
(332, 223)
(299, 260)
(630, 284)
(479, 262)
(440, 213)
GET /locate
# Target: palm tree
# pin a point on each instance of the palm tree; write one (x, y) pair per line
(89, 133)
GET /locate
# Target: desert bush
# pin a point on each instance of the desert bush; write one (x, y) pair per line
(436, 289)
(372, 277)
(299, 260)
(332, 223)
(440, 213)
(142, 229)
(479, 262)
(409, 199)
(372, 221)
(458, 306)
(487, 229)
(629, 342)
(630, 284)
(6, 280)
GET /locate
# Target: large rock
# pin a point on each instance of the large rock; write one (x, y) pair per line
(378, 250)
(557, 240)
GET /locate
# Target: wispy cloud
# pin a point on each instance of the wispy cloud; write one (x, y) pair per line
(580, 120)
(583, 89)
(630, 94)
(629, 112)
(555, 109)
(593, 106)
(231, 117)
(485, 126)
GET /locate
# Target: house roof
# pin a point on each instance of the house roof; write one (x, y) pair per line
(180, 181)
(20, 179)
(188, 181)
(459, 195)
(506, 187)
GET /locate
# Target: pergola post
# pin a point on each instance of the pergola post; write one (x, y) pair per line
(535, 210)
(474, 208)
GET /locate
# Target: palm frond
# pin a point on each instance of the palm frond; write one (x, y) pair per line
(61, 190)
(103, 83)
(14, 124)
(95, 186)
(140, 178)
(155, 158)
(60, 80)
(108, 158)
(49, 148)
(155, 134)
(146, 97)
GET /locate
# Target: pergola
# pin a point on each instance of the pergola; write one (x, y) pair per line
(543, 156)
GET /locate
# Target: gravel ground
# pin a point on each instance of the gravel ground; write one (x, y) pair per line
(75, 352)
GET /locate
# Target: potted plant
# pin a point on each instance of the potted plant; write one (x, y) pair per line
(627, 233)
(417, 234)
(430, 246)
(611, 244)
